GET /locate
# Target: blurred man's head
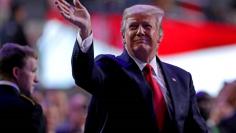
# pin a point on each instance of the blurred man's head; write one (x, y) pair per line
(78, 105)
(18, 64)
(141, 30)
(228, 93)
(205, 103)
(17, 10)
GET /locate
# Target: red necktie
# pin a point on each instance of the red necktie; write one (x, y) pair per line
(158, 98)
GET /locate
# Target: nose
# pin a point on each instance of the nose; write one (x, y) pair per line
(141, 30)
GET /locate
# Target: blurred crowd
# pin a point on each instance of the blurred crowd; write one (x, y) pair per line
(220, 111)
(65, 110)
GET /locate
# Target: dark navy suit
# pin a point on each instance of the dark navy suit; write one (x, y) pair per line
(19, 113)
(122, 99)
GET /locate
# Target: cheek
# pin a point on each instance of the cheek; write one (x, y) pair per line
(32, 77)
(129, 35)
(155, 36)
(129, 40)
(23, 78)
(28, 78)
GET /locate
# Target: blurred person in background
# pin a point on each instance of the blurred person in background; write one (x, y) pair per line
(13, 29)
(223, 116)
(55, 108)
(160, 100)
(19, 112)
(77, 113)
(227, 121)
(205, 103)
(52, 115)
(58, 98)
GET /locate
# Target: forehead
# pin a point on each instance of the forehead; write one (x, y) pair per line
(31, 62)
(141, 18)
(143, 9)
(143, 13)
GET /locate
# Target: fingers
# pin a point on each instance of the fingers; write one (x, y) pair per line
(64, 2)
(64, 7)
(78, 5)
(77, 15)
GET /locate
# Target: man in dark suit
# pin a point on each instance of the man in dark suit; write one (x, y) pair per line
(126, 100)
(18, 111)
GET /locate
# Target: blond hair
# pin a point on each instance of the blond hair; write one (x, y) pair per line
(142, 9)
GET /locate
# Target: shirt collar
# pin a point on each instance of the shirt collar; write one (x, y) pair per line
(141, 64)
(14, 85)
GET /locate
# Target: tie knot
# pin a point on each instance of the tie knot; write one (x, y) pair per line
(148, 69)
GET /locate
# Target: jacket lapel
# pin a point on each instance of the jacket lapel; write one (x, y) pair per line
(131, 68)
(133, 71)
(172, 86)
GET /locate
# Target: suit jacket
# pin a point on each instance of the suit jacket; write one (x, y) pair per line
(19, 113)
(122, 99)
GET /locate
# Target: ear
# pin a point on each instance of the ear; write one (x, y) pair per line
(123, 38)
(160, 35)
(16, 72)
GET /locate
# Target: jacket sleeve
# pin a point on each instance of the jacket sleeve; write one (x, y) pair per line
(195, 122)
(84, 69)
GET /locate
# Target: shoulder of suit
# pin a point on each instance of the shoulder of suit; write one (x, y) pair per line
(173, 67)
(23, 96)
(105, 57)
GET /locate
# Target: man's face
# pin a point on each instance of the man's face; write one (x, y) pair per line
(77, 110)
(141, 36)
(27, 77)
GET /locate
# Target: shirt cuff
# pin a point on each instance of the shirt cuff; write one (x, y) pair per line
(86, 43)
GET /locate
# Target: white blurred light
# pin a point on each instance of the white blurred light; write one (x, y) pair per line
(210, 68)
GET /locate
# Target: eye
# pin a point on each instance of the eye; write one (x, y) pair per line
(133, 26)
(34, 70)
(147, 26)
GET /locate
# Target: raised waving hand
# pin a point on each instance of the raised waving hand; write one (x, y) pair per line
(76, 14)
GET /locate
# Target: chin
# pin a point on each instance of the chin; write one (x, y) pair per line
(142, 56)
(32, 90)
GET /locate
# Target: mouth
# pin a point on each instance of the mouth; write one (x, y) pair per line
(141, 41)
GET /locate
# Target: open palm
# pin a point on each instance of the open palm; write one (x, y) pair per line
(76, 14)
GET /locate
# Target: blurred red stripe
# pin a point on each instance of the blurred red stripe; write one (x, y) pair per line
(178, 36)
